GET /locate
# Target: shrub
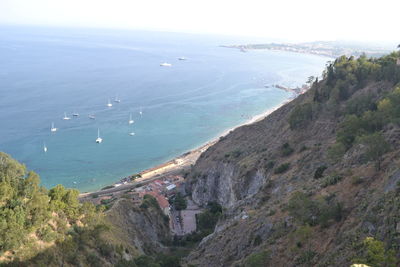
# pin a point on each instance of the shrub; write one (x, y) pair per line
(106, 249)
(356, 180)
(306, 257)
(286, 150)
(331, 180)
(180, 203)
(336, 152)
(374, 254)
(360, 104)
(303, 148)
(377, 146)
(319, 172)
(257, 240)
(168, 260)
(257, 259)
(300, 116)
(312, 212)
(269, 165)
(46, 234)
(282, 168)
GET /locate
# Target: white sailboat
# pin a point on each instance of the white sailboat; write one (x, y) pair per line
(165, 64)
(117, 100)
(131, 133)
(130, 119)
(44, 147)
(140, 112)
(53, 129)
(99, 139)
(66, 117)
(109, 103)
(75, 114)
(92, 117)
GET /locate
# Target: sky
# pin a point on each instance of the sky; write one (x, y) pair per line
(291, 20)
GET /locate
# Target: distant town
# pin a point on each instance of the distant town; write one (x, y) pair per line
(328, 49)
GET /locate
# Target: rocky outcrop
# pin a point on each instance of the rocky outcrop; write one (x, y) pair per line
(147, 230)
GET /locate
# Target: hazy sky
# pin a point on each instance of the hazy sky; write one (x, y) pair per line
(295, 20)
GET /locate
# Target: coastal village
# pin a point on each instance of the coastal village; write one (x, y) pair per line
(164, 189)
(164, 182)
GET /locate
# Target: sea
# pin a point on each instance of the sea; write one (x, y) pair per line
(46, 72)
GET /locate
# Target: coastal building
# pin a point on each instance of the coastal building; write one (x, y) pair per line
(162, 202)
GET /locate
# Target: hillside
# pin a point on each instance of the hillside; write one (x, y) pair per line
(316, 183)
(40, 227)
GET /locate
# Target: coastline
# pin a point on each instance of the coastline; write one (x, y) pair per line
(179, 163)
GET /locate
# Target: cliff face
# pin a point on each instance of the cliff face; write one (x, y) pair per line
(255, 170)
(146, 230)
(228, 171)
(240, 164)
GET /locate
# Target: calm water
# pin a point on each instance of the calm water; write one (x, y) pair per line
(46, 72)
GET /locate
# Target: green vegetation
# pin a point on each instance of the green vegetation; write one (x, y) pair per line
(207, 220)
(300, 116)
(377, 146)
(332, 179)
(282, 168)
(305, 257)
(135, 176)
(319, 172)
(374, 254)
(301, 236)
(269, 165)
(365, 116)
(234, 154)
(347, 74)
(358, 105)
(313, 212)
(149, 201)
(29, 214)
(257, 259)
(161, 260)
(180, 203)
(286, 150)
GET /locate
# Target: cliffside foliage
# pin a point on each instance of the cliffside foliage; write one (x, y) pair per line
(47, 227)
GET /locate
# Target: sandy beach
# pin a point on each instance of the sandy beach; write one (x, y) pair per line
(178, 164)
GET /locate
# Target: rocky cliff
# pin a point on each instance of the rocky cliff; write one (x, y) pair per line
(144, 229)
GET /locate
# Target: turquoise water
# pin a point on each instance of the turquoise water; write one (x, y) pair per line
(46, 72)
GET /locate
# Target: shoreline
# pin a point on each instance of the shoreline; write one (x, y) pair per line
(178, 163)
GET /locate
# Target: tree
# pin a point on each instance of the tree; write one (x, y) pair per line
(377, 146)
(300, 116)
(180, 202)
(374, 254)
